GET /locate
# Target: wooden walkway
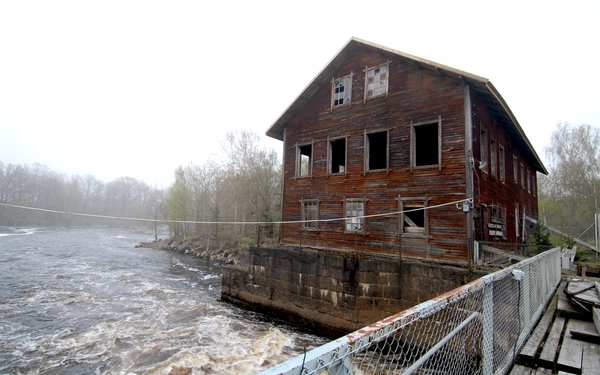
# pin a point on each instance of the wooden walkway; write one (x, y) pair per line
(551, 349)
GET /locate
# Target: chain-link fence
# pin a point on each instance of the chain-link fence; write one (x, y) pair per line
(477, 328)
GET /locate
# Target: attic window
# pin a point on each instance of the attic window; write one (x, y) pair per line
(376, 150)
(376, 81)
(304, 160)
(337, 156)
(426, 144)
(341, 91)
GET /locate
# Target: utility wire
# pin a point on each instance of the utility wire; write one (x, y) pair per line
(229, 222)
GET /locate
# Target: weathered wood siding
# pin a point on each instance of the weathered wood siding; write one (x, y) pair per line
(489, 189)
(414, 95)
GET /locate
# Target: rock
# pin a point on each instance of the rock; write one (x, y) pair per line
(181, 371)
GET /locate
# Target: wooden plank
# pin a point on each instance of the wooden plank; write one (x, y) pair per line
(596, 318)
(551, 345)
(527, 354)
(521, 370)
(591, 359)
(571, 350)
(566, 309)
(542, 371)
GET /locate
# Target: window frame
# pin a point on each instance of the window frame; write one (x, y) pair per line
(402, 203)
(529, 180)
(515, 169)
(522, 175)
(330, 159)
(298, 170)
(413, 144)
(501, 163)
(363, 221)
(484, 148)
(333, 80)
(305, 225)
(517, 219)
(367, 147)
(387, 81)
(493, 157)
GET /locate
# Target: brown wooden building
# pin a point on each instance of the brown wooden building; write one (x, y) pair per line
(380, 131)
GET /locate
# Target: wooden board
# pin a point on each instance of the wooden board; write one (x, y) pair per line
(591, 359)
(521, 370)
(527, 354)
(551, 345)
(542, 371)
(596, 319)
(571, 350)
(566, 309)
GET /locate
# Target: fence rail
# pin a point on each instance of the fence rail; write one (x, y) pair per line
(475, 329)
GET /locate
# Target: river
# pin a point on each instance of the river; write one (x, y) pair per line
(85, 301)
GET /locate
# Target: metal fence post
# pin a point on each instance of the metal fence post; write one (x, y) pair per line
(488, 326)
(524, 308)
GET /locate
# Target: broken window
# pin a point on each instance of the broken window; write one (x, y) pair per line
(376, 81)
(426, 147)
(413, 217)
(377, 150)
(483, 149)
(342, 91)
(304, 160)
(310, 211)
(354, 210)
(493, 158)
(337, 156)
(515, 169)
(502, 163)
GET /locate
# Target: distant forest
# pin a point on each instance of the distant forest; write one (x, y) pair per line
(246, 186)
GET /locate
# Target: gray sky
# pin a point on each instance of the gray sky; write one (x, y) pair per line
(137, 88)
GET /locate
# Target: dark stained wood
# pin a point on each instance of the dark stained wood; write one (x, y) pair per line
(415, 95)
(551, 345)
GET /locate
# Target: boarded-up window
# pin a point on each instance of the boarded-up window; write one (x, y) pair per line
(515, 169)
(497, 221)
(501, 163)
(304, 160)
(483, 148)
(425, 144)
(493, 157)
(376, 81)
(414, 217)
(310, 211)
(342, 91)
(354, 210)
(376, 150)
(337, 156)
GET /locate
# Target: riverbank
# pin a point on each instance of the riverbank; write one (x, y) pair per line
(223, 252)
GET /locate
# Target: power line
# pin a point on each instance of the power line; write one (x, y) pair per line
(81, 214)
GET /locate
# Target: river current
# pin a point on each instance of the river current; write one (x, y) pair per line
(85, 301)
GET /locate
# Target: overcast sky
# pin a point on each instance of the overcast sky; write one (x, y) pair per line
(137, 88)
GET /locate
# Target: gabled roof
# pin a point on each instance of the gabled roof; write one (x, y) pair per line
(479, 84)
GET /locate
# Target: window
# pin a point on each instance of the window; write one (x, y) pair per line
(483, 148)
(337, 156)
(425, 144)
(493, 157)
(517, 219)
(376, 81)
(522, 176)
(502, 163)
(304, 160)
(341, 91)
(354, 209)
(528, 181)
(497, 221)
(414, 216)
(534, 183)
(376, 150)
(515, 169)
(310, 211)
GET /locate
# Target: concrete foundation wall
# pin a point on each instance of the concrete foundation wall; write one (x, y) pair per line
(338, 290)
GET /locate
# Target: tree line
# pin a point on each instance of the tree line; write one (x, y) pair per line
(570, 194)
(37, 186)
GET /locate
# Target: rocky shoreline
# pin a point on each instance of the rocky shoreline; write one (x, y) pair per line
(226, 253)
